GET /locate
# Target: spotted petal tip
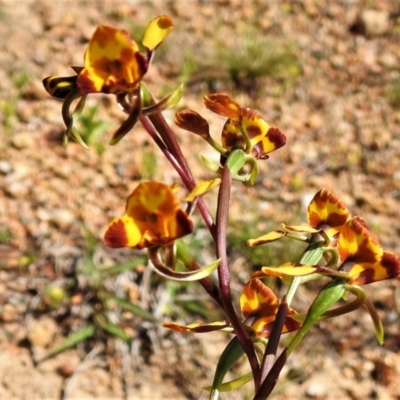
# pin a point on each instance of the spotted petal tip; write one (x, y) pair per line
(157, 31)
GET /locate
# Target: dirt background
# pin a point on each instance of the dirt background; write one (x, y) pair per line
(335, 93)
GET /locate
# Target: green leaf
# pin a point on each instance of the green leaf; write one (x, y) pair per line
(128, 266)
(169, 101)
(326, 298)
(210, 164)
(233, 384)
(112, 329)
(229, 357)
(133, 308)
(71, 341)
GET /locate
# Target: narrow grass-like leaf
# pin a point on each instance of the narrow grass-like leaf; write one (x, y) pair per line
(130, 265)
(133, 308)
(232, 353)
(112, 329)
(71, 341)
(233, 384)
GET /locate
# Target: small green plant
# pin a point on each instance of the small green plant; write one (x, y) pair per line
(92, 128)
(149, 164)
(9, 107)
(392, 91)
(5, 236)
(242, 63)
(256, 257)
(98, 311)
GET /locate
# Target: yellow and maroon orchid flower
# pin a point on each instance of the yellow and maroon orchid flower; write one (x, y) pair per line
(259, 307)
(245, 129)
(113, 65)
(153, 217)
(362, 257)
(326, 213)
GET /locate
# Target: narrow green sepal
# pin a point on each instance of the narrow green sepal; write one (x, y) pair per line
(167, 102)
(70, 119)
(188, 276)
(379, 332)
(254, 170)
(145, 95)
(210, 164)
(233, 384)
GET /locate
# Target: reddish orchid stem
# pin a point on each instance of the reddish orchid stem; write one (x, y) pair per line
(169, 139)
(151, 131)
(224, 274)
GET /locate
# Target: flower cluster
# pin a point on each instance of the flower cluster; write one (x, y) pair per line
(244, 131)
(339, 246)
(361, 258)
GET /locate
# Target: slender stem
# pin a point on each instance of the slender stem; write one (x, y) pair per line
(224, 274)
(169, 139)
(311, 256)
(150, 130)
(273, 342)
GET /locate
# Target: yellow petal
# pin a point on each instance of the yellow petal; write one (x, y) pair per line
(256, 298)
(269, 237)
(202, 188)
(326, 209)
(156, 32)
(199, 327)
(287, 270)
(300, 228)
(367, 262)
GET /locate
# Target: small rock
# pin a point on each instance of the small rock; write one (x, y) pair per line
(316, 390)
(62, 218)
(375, 22)
(42, 331)
(5, 167)
(23, 140)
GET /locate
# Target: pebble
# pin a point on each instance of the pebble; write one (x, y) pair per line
(375, 22)
(316, 389)
(60, 217)
(42, 331)
(5, 167)
(23, 140)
